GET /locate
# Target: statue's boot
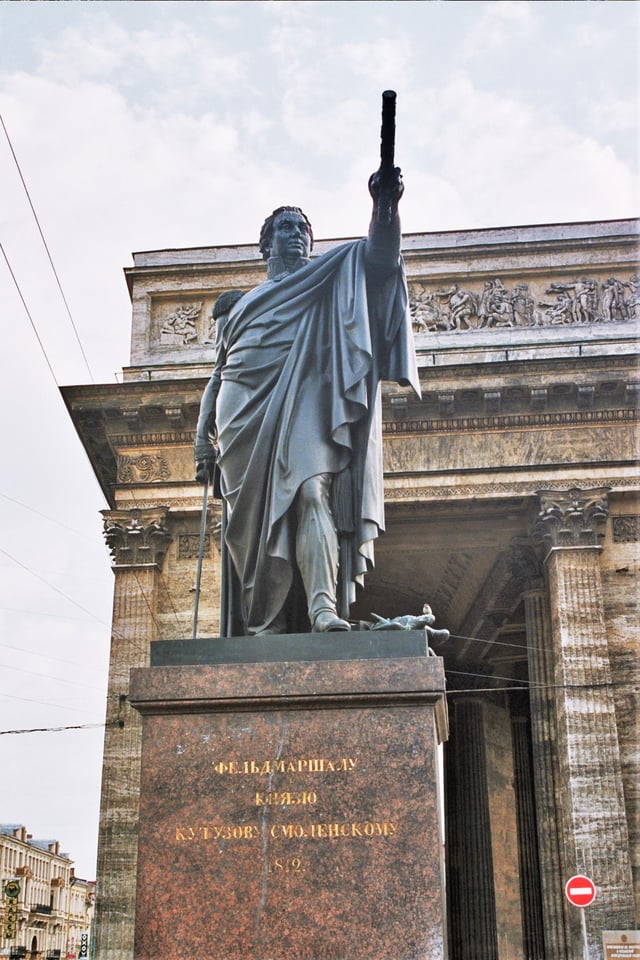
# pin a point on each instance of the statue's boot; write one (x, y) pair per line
(317, 554)
(328, 621)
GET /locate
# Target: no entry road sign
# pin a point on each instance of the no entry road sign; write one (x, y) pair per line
(580, 891)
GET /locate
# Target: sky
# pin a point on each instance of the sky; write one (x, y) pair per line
(152, 125)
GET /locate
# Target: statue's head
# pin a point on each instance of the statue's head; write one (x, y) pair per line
(282, 215)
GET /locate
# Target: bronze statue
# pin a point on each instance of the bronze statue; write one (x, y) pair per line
(291, 416)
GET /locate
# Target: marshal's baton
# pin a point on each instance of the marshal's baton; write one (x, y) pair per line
(388, 133)
(386, 171)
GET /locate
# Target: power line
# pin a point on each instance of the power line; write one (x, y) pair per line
(55, 272)
(498, 643)
(529, 685)
(43, 703)
(42, 613)
(45, 516)
(50, 676)
(115, 633)
(520, 687)
(47, 656)
(46, 582)
(76, 726)
(31, 321)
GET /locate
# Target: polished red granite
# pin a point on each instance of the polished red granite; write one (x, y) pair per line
(289, 811)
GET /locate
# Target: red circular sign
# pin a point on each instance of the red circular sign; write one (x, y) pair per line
(580, 891)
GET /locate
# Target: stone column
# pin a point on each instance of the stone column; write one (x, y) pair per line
(530, 886)
(471, 896)
(592, 818)
(138, 540)
(482, 849)
(545, 770)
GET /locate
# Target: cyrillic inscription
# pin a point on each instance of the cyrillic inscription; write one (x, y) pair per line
(215, 831)
(271, 799)
(266, 768)
(365, 829)
(333, 831)
(286, 799)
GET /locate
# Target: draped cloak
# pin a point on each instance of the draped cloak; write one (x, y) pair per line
(303, 356)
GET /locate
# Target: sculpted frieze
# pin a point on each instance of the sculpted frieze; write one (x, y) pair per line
(145, 468)
(626, 529)
(189, 546)
(183, 324)
(577, 301)
(178, 328)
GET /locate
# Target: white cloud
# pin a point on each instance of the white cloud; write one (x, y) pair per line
(512, 163)
(613, 113)
(169, 64)
(591, 35)
(500, 22)
(385, 57)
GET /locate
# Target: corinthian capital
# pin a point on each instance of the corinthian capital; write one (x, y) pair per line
(571, 518)
(136, 537)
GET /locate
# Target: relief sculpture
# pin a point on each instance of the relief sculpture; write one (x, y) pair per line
(577, 301)
(179, 327)
(145, 468)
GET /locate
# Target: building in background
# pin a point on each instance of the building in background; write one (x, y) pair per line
(511, 497)
(45, 910)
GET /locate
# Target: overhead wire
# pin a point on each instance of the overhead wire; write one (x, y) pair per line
(45, 516)
(498, 643)
(46, 247)
(55, 380)
(519, 687)
(529, 684)
(57, 679)
(28, 312)
(42, 613)
(47, 656)
(66, 596)
(43, 703)
(48, 676)
(75, 726)
(51, 586)
(183, 628)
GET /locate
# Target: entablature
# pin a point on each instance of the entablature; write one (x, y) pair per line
(500, 290)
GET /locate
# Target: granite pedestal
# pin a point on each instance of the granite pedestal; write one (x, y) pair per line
(289, 805)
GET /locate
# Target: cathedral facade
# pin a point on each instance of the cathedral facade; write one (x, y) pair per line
(511, 497)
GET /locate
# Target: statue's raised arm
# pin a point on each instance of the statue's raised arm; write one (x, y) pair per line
(386, 188)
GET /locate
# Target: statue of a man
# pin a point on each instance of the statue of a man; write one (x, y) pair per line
(292, 414)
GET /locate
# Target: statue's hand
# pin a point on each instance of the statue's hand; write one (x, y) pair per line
(386, 186)
(205, 468)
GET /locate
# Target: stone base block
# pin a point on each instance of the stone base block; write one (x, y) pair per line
(290, 808)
